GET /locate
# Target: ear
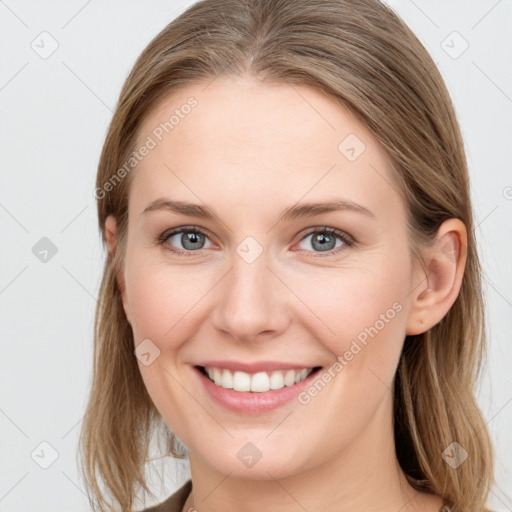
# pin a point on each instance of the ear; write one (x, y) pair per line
(439, 287)
(111, 241)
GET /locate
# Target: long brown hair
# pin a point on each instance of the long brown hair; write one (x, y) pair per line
(366, 58)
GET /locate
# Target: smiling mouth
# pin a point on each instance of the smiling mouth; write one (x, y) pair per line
(259, 382)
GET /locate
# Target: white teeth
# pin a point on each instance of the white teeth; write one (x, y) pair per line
(217, 376)
(241, 381)
(257, 382)
(289, 378)
(227, 379)
(260, 382)
(276, 380)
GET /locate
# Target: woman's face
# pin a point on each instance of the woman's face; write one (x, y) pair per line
(262, 287)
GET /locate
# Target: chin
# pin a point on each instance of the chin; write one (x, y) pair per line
(259, 460)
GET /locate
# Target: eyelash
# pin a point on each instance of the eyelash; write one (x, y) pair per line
(345, 238)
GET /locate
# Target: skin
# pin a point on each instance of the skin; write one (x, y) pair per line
(250, 150)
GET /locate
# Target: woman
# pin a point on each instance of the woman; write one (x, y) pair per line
(292, 287)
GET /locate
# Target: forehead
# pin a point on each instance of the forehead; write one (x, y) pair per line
(252, 115)
(252, 140)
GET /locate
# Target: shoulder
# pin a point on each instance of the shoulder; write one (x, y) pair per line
(175, 502)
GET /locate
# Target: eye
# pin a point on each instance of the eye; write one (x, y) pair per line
(324, 240)
(191, 238)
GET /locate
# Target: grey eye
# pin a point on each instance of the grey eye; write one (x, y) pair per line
(322, 241)
(190, 240)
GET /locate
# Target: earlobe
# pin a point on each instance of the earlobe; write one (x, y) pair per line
(440, 284)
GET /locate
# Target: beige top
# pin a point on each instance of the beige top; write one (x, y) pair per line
(176, 502)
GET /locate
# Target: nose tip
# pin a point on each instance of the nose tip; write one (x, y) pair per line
(251, 301)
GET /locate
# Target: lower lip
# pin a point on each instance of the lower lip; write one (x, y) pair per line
(251, 402)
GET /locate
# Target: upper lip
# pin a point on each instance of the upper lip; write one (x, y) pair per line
(255, 367)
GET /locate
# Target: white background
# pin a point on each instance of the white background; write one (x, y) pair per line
(54, 117)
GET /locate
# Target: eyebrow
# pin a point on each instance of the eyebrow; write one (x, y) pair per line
(296, 211)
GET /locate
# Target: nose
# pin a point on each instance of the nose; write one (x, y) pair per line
(252, 302)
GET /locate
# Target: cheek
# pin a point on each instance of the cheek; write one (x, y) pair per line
(349, 301)
(150, 311)
(362, 313)
(163, 300)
